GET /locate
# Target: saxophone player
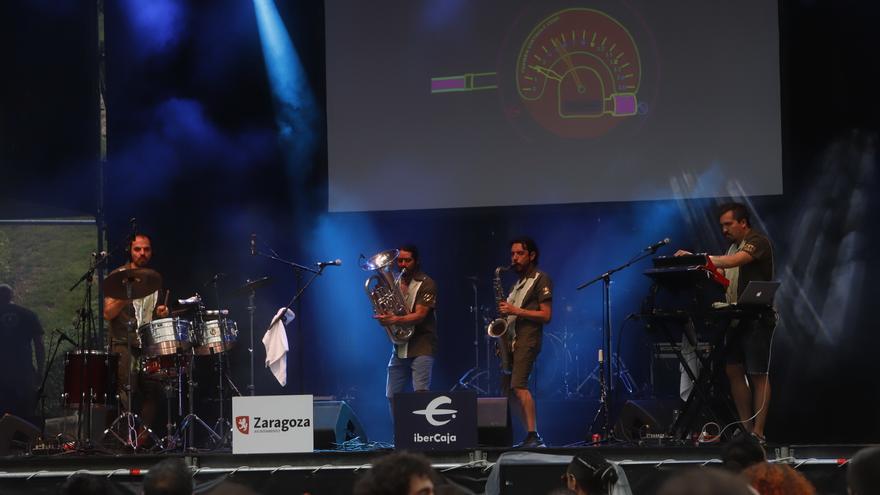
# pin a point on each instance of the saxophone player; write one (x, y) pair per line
(412, 360)
(527, 308)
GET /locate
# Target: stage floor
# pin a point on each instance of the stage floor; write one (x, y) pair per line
(502, 471)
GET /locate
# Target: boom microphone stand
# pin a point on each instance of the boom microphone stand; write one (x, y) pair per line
(87, 339)
(606, 384)
(296, 298)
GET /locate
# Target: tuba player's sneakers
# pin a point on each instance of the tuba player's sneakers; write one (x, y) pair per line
(532, 441)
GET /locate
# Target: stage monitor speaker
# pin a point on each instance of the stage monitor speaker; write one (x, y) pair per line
(638, 418)
(493, 422)
(335, 424)
(16, 435)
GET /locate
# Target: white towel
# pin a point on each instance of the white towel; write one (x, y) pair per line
(275, 342)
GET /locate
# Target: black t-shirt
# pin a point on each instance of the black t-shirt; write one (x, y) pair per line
(761, 267)
(18, 328)
(424, 339)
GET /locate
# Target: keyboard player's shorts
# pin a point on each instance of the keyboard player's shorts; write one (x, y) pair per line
(748, 343)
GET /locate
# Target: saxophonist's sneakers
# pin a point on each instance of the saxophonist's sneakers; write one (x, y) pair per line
(532, 441)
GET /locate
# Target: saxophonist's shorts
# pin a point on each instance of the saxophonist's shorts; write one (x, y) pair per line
(517, 374)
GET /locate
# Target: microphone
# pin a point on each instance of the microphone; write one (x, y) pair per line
(657, 245)
(64, 336)
(322, 264)
(253, 244)
(132, 228)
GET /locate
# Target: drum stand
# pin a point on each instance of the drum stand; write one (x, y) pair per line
(169, 441)
(222, 427)
(125, 427)
(187, 429)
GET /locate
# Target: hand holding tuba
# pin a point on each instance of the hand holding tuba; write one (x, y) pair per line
(384, 292)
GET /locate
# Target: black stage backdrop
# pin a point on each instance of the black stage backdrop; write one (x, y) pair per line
(195, 156)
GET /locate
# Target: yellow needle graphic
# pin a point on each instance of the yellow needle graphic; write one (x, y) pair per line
(567, 58)
(549, 73)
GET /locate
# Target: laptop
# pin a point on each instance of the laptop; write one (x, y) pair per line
(758, 294)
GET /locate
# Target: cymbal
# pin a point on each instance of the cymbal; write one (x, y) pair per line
(142, 281)
(252, 285)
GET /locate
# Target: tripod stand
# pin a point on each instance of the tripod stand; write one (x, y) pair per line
(470, 380)
(222, 427)
(125, 427)
(618, 370)
(186, 432)
(84, 391)
(607, 384)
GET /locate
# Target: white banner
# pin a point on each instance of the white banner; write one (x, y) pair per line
(273, 424)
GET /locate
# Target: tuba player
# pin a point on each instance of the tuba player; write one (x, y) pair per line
(414, 360)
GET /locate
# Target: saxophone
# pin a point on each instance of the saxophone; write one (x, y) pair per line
(385, 293)
(498, 326)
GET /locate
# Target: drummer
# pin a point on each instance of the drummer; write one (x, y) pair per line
(124, 317)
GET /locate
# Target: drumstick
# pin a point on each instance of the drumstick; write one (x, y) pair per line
(167, 293)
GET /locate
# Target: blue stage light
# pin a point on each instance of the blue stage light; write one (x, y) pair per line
(296, 112)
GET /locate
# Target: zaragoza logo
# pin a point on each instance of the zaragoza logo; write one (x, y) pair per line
(243, 423)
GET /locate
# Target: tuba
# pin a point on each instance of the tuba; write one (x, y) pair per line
(498, 326)
(385, 293)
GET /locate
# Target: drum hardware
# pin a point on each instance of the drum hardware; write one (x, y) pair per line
(165, 336)
(195, 300)
(552, 368)
(171, 389)
(212, 334)
(186, 431)
(132, 283)
(222, 427)
(99, 387)
(125, 427)
(88, 339)
(215, 335)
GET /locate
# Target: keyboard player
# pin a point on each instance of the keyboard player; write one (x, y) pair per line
(749, 258)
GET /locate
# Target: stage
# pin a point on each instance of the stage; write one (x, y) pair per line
(502, 471)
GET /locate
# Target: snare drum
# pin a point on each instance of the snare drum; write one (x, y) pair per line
(165, 336)
(164, 367)
(89, 376)
(215, 336)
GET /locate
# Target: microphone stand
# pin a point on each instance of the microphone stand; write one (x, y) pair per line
(606, 383)
(296, 298)
(471, 378)
(87, 339)
(41, 392)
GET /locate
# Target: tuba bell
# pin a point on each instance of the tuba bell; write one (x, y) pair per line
(384, 293)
